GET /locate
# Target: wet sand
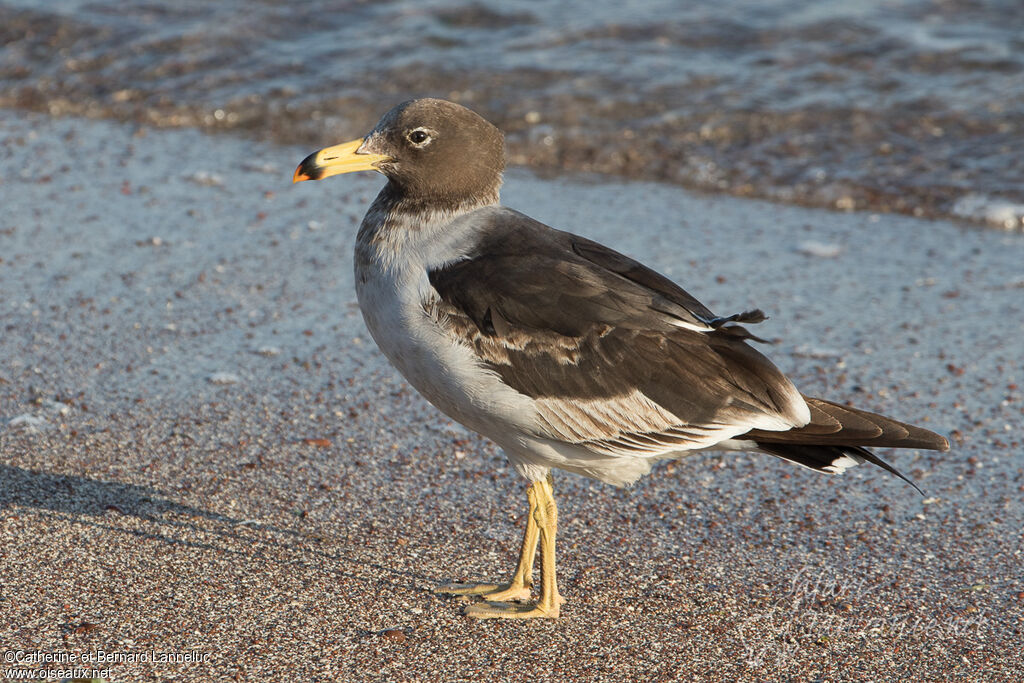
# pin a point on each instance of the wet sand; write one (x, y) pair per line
(201, 450)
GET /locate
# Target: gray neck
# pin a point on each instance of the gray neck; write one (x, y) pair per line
(396, 229)
(393, 211)
(391, 199)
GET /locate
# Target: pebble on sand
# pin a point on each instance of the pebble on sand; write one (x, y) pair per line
(394, 634)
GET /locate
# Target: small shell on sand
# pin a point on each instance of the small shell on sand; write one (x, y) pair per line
(205, 178)
(808, 351)
(27, 422)
(819, 249)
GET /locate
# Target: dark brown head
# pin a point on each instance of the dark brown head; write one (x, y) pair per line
(432, 152)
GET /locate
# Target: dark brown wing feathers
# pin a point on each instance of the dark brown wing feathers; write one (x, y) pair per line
(557, 315)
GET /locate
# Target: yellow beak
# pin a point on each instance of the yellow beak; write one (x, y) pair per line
(335, 160)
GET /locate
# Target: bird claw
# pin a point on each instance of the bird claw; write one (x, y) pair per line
(512, 610)
(495, 592)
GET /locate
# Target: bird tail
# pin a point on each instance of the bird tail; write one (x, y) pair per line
(829, 459)
(837, 438)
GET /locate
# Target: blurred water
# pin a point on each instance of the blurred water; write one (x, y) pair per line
(914, 106)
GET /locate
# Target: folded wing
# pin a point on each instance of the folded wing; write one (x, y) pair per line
(617, 357)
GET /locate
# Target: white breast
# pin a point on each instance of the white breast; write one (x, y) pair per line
(394, 293)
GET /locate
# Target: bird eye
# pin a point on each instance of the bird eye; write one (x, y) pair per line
(418, 137)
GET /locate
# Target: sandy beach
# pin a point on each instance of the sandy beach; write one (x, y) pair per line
(208, 471)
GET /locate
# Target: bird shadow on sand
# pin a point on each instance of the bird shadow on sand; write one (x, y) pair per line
(107, 505)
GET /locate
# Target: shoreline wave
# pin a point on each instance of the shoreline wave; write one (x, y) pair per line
(917, 118)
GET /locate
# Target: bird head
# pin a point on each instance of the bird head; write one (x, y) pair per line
(427, 148)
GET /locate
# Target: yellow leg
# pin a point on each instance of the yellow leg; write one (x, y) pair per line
(545, 513)
(522, 580)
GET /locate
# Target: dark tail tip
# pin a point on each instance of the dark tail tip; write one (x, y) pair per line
(829, 459)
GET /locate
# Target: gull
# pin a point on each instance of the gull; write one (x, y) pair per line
(565, 353)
